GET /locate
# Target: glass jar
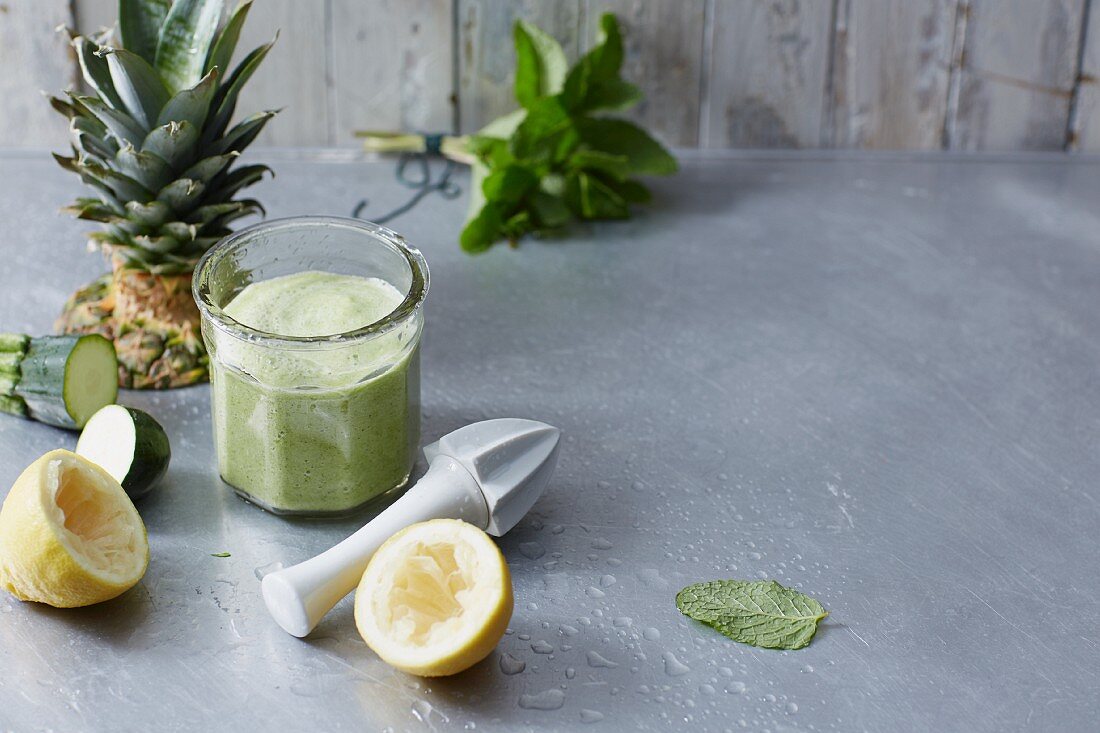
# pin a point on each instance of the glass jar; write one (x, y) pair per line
(313, 425)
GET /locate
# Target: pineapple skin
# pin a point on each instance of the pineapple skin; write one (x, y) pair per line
(156, 350)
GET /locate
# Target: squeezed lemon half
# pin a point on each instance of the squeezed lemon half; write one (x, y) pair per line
(435, 598)
(69, 535)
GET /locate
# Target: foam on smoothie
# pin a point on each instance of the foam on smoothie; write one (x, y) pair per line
(314, 303)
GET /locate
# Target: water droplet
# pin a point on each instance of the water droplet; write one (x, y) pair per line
(601, 544)
(706, 689)
(591, 716)
(531, 550)
(594, 592)
(792, 708)
(541, 647)
(525, 637)
(725, 671)
(652, 578)
(608, 580)
(557, 529)
(807, 669)
(673, 666)
(511, 665)
(421, 710)
(622, 621)
(595, 660)
(638, 486)
(570, 673)
(738, 688)
(651, 634)
(263, 570)
(546, 700)
(567, 630)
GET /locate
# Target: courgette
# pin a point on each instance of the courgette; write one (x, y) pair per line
(128, 444)
(57, 380)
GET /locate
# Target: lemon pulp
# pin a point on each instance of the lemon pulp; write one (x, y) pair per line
(69, 535)
(435, 598)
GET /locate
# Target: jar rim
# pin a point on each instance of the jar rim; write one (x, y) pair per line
(216, 315)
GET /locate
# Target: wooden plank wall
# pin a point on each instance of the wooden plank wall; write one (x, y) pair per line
(895, 74)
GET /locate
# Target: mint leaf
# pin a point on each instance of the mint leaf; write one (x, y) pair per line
(482, 230)
(761, 613)
(619, 137)
(600, 64)
(611, 94)
(591, 198)
(509, 184)
(219, 554)
(540, 63)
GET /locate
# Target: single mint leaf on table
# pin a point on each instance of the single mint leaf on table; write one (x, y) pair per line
(220, 554)
(762, 613)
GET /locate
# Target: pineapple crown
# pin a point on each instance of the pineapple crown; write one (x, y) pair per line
(153, 139)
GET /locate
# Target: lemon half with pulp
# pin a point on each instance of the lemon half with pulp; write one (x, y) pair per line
(435, 598)
(69, 535)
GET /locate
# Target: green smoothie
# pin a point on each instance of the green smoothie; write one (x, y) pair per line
(325, 427)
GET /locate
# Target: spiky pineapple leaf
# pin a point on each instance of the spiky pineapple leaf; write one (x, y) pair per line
(174, 142)
(89, 137)
(225, 186)
(151, 214)
(246, 207)
(148, 169)
(93, 210)
(139, 23)
(161, 244)
(66, 108)
(138, 85)
(241, 135)
(181, 231)
(184, 41)
(190, 104)
(95, 71)
(225, 101)
(124, 187)
(119, 124)
(207, 168)
(221, 52)
(181, 195)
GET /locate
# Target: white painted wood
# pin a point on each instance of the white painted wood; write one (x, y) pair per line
(663, 43)
(768, 73)
(1018, 73)
(393, 65)
(295, 75)
(890, 78)
(1086, 133)
(34, 59)
(486, 57)
(92, 15)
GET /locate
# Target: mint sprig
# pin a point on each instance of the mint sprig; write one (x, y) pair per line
(557, 158)
(762, 613)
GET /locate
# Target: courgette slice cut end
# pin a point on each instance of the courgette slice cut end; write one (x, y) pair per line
(128, 444)
(91, 378)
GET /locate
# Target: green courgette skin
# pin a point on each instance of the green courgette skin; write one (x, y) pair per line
(34, 373)
(42, 380)
(152, 453)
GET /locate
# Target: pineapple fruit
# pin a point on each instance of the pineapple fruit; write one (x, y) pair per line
(153, 141)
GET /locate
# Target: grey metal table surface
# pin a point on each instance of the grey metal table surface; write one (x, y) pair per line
(873, 378)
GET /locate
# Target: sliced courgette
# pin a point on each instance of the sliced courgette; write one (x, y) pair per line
(128, 444)
(58, 380)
